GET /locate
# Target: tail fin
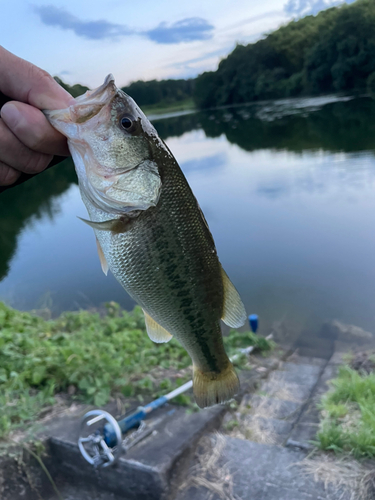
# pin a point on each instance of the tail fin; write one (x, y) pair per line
(212, 388)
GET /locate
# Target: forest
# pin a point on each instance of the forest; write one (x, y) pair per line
(332, 52)
(164, 92)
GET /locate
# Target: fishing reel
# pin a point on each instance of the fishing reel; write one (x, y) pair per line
(92, 443)
(101, 440)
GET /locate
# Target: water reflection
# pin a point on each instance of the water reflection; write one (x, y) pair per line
(204, 163)
(24, 205)
(346, 126)
(288, 192)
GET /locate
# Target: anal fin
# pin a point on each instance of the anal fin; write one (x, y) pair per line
(156, 332)
(103, 261)
(234, 314)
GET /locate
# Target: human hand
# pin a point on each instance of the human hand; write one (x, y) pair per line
(27, 140)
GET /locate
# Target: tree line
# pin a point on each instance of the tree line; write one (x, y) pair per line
(331, 52)
(164, 92)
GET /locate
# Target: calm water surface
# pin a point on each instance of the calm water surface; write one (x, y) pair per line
(288, 190)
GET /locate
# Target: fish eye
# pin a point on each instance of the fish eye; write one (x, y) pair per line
(127, 123)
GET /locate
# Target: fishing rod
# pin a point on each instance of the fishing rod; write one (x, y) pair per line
(105, 443)
(103, 447)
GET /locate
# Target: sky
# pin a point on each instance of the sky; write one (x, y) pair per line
(81, 41)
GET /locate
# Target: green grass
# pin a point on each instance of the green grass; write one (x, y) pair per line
(348, 411)
(161, 108)
(100, 355)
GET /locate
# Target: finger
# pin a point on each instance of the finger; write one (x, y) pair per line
(32, 128)
(16, 155)
(25, 82)
(8, 175)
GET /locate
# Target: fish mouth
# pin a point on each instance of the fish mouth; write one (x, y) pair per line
(107, 86)
(85, 107)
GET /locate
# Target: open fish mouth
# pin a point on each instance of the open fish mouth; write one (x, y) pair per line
(87, 106)
(113, 164)
(109, 83)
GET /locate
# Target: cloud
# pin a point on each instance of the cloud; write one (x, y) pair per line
(186, 30)
(93, 30)
(208, 55)
(190, 68)
(255, 19)
(205, 163)
(300, 8)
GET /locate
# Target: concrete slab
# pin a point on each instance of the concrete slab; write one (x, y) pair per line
(337, 357)
(302, 374)
(271, 407)
(263, 472)
(271, 429)
(345, 333)
(271, 493)
(147, 471)
(86, 491)
(311, 413)
(306, 360)
(151, 470)
(311, 346)
(302, 436)
(287, 392)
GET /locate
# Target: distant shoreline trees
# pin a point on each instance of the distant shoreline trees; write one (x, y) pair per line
(331, 52)
(163, 92)
(74, 90)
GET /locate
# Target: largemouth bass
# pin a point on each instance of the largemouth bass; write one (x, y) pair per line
(151, 232)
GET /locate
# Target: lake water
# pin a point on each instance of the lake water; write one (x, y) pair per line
(288, 190)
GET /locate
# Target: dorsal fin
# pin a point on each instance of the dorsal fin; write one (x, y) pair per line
(156, 332)
(234, 314)
(103, 261)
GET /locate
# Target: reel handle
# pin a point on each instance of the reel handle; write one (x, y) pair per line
(94, 448)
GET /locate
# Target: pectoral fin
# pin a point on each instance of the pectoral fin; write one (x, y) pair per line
(156, 332)
(102, 259)
(116, 225)
(234, 314)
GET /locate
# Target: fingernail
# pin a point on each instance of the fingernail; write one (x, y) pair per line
(10, 114)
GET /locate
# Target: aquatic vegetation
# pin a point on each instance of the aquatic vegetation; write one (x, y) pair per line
(93, 355)
(348, 411)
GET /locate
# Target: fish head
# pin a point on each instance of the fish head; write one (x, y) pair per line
(110, 140)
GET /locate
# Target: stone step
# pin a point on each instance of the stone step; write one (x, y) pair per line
(271, 415)
(155, 466)
(293, 382)
(305, 430)
(266, 430)
(271, 407)
(148, 470)
(264, 472)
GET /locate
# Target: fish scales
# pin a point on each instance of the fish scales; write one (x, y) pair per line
(185, 296)
(151, 232)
